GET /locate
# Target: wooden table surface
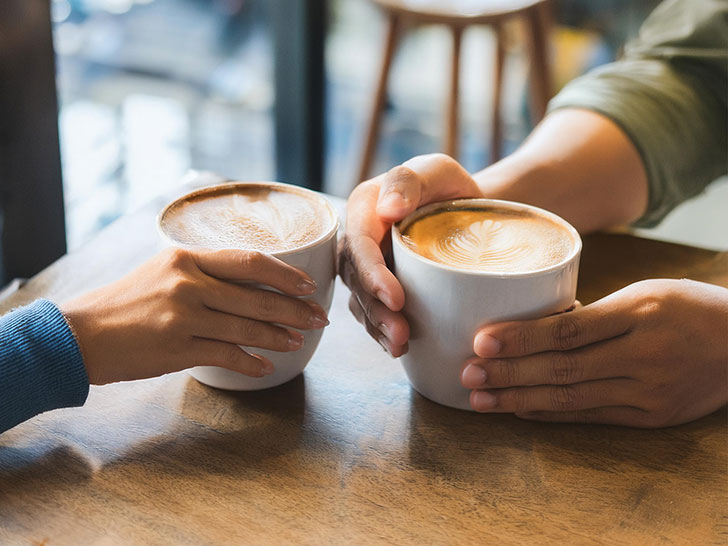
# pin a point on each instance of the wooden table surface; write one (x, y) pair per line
(348, 453)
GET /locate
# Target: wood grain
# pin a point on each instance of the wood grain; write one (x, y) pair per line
(347, 453)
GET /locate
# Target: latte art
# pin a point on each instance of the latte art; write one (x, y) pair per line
(250, 217)
(488, 240)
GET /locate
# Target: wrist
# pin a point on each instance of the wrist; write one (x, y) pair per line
(517, 177)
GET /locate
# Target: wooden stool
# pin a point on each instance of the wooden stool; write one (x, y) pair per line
(458, 14)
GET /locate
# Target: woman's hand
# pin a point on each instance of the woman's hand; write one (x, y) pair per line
(376, 295)
(187, 308)
(653, 354)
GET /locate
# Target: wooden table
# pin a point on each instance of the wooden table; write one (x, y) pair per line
(348, 453)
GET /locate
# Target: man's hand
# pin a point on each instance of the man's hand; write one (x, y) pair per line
(376, 295)
(187, 308)
(653, 354)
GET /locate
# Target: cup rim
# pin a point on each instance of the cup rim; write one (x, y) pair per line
(333, 229)
(510, 205)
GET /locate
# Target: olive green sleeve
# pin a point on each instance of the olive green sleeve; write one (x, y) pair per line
(669, 94)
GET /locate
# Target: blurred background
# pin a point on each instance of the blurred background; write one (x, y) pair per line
(151, 88)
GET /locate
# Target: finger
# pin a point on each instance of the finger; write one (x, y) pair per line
(253, 266)
(596, 322)
(207, 352)
(360, 255)
(363, 269)
(391, 324)
(395, 350)
(561, 398)
(421, 180)
(616, 415)
(243, 331)
(264, 305)
(596, 361)
(401, 189)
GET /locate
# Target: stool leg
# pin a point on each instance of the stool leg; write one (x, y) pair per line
(375, 115)
(538, 32)
(496, 142)
(451, 135)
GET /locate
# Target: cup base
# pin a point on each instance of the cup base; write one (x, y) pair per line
(455, 402)
(222, 378)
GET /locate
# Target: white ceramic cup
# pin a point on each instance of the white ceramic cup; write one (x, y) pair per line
(445, 306)
(317, 259)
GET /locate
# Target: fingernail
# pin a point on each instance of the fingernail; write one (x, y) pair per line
(486, 346)
(385, 299)
(393, 200)
(306, 286)
(482, 401)
(319, 318)
(317, 321)
(473, 376)
(382, 340)
(267, 368)
(295, 341)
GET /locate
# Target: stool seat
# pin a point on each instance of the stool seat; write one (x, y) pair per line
(465, 12)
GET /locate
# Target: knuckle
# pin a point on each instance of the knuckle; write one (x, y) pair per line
(280, 337)
(171, 320)
(264, 303)
(515, 400)
(566, 333)
(564, 369)
(564, 398)
(250, 330)
(363, 189)
(505, 374)
(252, 261)
(232, 354)
(523, 341)
(181, 287)
(302, 311)
(442, 158)
(179, 258)
(649, 308)
(400, 172)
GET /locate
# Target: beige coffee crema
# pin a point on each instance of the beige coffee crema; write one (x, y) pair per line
(251, 217)
(489, 239)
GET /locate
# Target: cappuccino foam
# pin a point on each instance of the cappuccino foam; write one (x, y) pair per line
(487, 239)
(250, 217)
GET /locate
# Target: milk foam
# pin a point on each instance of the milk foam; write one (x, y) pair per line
(252, 218)
(489, 240)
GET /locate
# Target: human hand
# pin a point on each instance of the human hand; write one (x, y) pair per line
(376, 295)
(653, 354)
(187, 308)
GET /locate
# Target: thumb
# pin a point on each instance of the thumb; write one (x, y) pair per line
(421, 180)
(399, 193)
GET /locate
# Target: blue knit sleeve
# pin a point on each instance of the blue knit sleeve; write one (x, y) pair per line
(41, 367)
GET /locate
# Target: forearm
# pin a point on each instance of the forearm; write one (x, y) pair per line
(578, 164)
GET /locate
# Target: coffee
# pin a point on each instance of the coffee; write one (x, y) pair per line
(269, 218)
(489, 239)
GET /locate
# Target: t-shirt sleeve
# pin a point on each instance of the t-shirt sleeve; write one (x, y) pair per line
(41, 367)
(669, 94)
